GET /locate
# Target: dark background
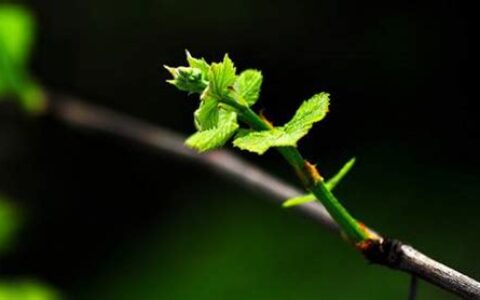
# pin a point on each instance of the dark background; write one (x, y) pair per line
(106, 219)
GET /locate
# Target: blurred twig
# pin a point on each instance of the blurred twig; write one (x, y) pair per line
(393, 254)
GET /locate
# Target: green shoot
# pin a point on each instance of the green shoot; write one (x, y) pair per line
(225, 106)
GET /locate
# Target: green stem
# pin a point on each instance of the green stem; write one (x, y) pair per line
(311, 180)
(352, 228)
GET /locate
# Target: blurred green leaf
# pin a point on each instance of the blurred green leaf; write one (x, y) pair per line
(26, 290)
(310, 112)
(9, 223)
(17, 30)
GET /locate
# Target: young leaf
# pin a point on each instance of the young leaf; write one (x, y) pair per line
(311, 111)
(187, 79)
(221, 76)
(332, 182)
(206, 116)
(217, 136)
(248, 85)
(198, 63)
(261, 141)
(299, 200)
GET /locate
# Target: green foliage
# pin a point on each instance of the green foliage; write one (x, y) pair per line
(221, 77)
(27, 290)
(192, 79)
(9, 223)
(187, 79)
(198, 63)
(261, 141)
(330, 184)
(310, 112)
(248, 85)
(16, 33)
(224, 96)
(206, 116)
(217, 136)
(215, 123)
(17, 30)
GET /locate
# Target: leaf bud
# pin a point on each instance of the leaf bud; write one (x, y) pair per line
(187, 79)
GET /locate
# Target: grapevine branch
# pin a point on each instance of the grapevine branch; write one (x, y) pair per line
(390, 252)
